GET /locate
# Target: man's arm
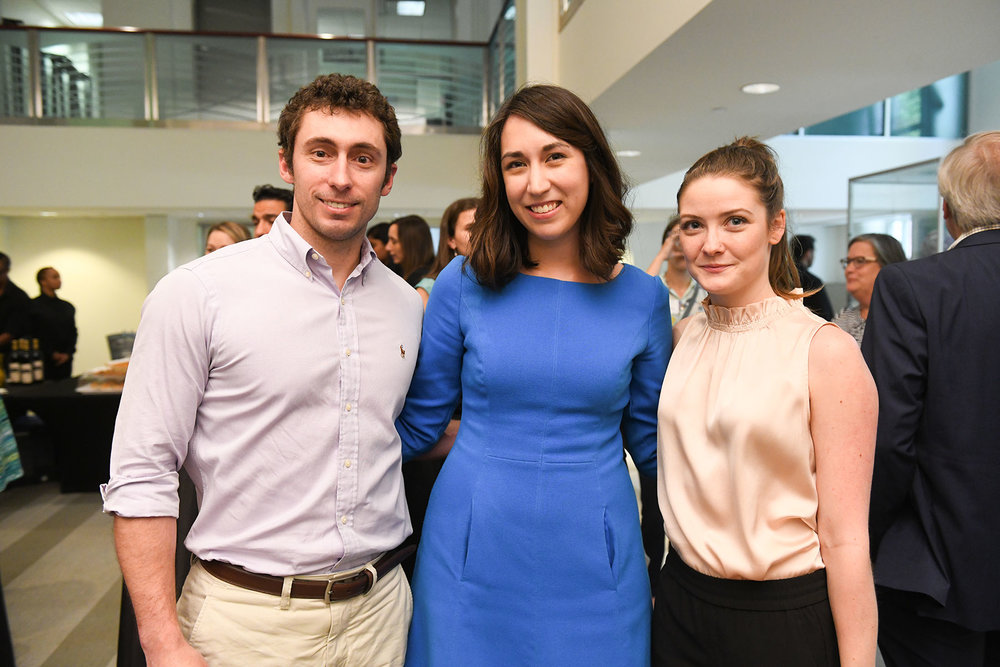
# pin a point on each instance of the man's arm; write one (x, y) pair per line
(145, 549)
(895, 348)
(154, 426)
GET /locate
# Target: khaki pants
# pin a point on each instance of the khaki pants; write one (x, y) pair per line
(230, 625)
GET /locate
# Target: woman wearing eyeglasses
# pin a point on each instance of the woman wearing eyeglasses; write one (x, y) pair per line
(866, 255)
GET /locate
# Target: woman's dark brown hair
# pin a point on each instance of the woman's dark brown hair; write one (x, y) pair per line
(449, 223)
(754, 162)
(499, 243)
(418, 247)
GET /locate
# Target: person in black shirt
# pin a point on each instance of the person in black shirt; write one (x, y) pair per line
(14, 304)
(803, 249)
(53, 323)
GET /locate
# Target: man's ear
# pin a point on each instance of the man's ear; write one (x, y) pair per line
(387, 185)
(949, 220)
(285, 168)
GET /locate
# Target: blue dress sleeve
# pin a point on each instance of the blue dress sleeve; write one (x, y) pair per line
(648, 369)
(437, 380)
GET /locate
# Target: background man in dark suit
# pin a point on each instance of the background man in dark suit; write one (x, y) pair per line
(932, 343)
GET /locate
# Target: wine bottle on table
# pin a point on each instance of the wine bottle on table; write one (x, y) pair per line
(37, 363)
(14, 365)
(27, 369)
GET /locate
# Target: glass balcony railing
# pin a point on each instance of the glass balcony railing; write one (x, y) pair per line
(502, 58)
(106, 77)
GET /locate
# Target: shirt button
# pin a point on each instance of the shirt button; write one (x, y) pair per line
(347, 351)
(315, 255)
(347, 464)
(343, 519)
(348, 407)
(342, 301)
(308, 274)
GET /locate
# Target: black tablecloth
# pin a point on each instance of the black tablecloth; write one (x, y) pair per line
(80, 425)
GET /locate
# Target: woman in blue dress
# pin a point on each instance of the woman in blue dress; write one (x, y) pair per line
(531, 552)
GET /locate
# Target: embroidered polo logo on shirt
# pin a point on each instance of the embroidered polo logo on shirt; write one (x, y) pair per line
(402, 352)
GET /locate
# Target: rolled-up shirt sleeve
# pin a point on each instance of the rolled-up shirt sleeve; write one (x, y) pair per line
(164, 386)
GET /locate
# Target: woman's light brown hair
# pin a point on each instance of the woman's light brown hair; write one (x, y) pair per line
(754, 163)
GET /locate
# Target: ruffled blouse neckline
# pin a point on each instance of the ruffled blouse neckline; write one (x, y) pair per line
(752, 316)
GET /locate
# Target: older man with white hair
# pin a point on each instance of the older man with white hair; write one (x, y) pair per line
(932, 345)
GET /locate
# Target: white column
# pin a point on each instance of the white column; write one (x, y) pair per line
(537, 41)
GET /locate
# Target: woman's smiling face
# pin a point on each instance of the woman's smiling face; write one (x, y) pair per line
(546, 181)
(727, 238)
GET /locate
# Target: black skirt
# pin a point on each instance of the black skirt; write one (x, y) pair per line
(703, 620)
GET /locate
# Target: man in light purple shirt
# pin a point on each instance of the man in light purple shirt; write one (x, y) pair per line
(273, 371)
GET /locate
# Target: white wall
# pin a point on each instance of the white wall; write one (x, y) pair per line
(984, 98)
(103, 269)
(136, 171)
(537, 42)
(606, 38)
(159, 15)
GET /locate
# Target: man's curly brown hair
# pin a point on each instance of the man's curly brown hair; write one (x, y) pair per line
(331, 92)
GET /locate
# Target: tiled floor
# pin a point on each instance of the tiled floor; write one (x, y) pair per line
(60, 577)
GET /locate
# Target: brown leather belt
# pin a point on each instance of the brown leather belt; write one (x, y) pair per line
(329, 590)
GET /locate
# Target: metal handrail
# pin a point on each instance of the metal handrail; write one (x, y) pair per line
(152, 103)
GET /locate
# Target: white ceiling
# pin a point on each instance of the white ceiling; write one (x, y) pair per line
(829, 56)
(48, 13)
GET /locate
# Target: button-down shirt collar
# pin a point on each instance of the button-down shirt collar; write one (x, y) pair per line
(984, 228)
(307, 260)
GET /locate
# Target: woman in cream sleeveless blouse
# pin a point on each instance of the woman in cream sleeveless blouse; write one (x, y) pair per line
(766, 436)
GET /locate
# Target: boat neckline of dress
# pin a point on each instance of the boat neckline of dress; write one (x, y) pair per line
(576, 282)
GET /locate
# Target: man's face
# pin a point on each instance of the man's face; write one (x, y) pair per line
(264, 214)
(380, 250)
(52, 280)
(338, 168)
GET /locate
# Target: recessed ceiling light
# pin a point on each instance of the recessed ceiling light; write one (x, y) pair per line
(47, 214)
(628, 153)
(410, 7)
(760, 88)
